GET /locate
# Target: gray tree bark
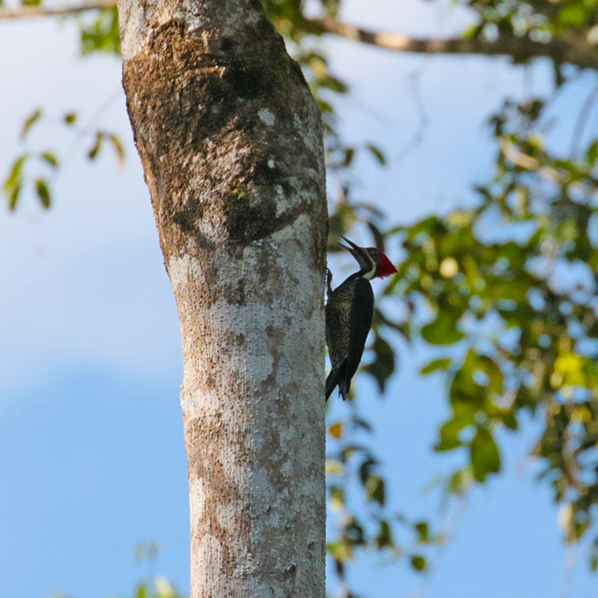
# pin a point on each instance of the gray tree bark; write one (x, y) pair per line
(231, 143)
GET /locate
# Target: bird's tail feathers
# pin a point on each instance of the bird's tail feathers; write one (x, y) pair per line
(344, 386)
(338, 377)
(331, 382)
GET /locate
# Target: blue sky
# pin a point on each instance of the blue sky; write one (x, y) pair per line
(91, 450)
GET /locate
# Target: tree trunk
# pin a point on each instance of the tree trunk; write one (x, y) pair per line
(231, 143)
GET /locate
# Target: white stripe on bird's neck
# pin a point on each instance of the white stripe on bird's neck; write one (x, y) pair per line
(372, 271)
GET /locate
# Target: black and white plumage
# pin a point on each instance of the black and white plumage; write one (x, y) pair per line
(349, 315)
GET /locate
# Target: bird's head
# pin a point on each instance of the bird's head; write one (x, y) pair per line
(373, 263)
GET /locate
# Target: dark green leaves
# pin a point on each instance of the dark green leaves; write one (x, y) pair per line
(384, 362)
(384, 537)
(485, 458)
(423, 529)
(442, 331)
(116, 143)
(15, 180)
(34, 170)
(418, 562)
(43, 193)
(50, 158)
(377, 153)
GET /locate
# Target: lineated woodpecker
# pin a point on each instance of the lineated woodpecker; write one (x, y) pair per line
(349, 314)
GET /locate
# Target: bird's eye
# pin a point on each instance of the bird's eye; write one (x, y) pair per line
(372, 251)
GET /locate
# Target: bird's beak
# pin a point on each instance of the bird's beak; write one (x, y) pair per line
(353, 247)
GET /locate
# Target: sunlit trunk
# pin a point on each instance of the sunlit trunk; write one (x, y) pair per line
(231, 144)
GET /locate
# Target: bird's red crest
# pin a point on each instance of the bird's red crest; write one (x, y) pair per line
(386, 267)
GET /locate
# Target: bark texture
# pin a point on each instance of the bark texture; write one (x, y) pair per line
(231, 143)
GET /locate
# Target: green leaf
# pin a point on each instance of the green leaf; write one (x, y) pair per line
(337, 497)
(460, 482)
(463, 417)
(573, 14)
(334, 467)
(473, 31)
(418, 562)
(436, 364)
(163, 588)
(428, 226)
(423, 531)
(366, 468)
(376, 489)
(442, 331)
(377, 153)
(118, 148)
(349, 155)
(509, 419)
(30, 121)
(383, 365)
(447, 444)
(378, 236)
(473, 381)
(50, 158)
(101, 34)
(13, 196)
(384, 537)
(485, 458)
(592, 154)
(94, 151)
(43, 192)
(16, 173)
(334, 84)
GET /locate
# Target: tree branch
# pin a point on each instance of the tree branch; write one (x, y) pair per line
(584, 55)
(31, 12)
(572, 48)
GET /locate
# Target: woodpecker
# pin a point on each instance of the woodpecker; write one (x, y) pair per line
(349, 314)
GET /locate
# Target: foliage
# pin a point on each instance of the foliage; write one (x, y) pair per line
(38, 169)
(515, 314)
(161, 588)
(519, 311)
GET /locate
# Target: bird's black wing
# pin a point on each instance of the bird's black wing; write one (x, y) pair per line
(362, 314)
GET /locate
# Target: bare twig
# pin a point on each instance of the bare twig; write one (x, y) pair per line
(452, 525)
(88, 129)
(418, 136)
(423, 118)
(568, 571)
